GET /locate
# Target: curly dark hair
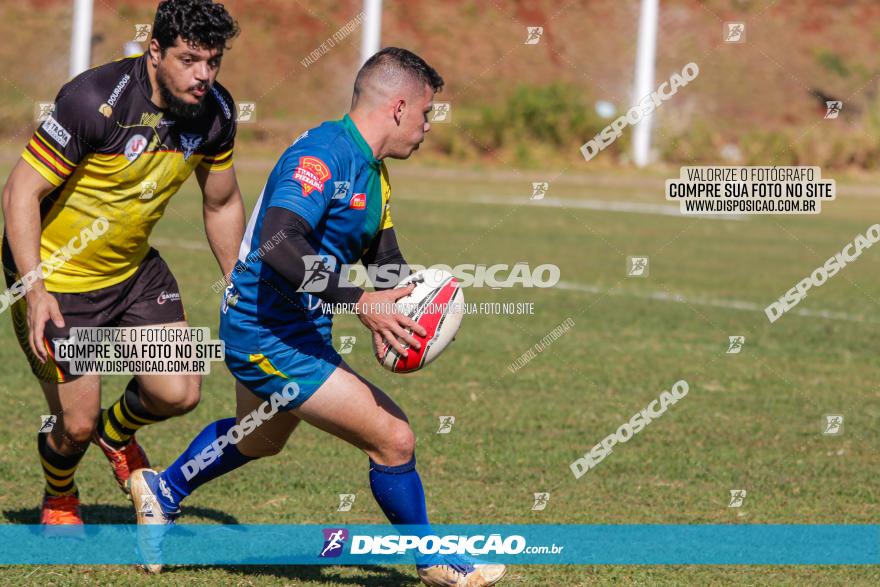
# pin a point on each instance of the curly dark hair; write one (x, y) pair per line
(199, 22)
(397, 61)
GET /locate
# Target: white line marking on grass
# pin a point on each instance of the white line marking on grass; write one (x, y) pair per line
(595, 289)
(726, 304)
(602, 205)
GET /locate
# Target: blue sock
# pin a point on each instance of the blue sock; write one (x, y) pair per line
(399, 492)
(189, 465)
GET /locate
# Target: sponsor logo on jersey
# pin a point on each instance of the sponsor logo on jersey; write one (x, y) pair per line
(299, 138)
(111, 101)
(165, 297)
(358, 201)
(219, 97)
(151, 120)
(135, 146)
(311, 174)
(54, 129)
(189, 143)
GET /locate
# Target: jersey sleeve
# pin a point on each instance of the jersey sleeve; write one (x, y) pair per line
(75, 128)
(304, 183)
(386, 200)
(219, 156)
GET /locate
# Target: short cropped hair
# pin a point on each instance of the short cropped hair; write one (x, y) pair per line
(198, 22)
(395, 62)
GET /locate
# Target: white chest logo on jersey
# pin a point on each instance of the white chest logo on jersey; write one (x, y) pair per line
(54, 129)
(300, 137)
(135, 146)
(340, 190)
(189, 143)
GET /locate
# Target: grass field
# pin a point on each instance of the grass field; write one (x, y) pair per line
(751, 420)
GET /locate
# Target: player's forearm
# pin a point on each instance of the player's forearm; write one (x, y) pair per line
(385, 262)
(21, 211)
(224, 226)
(287, 259)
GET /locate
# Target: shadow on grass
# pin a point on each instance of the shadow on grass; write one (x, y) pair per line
(113, 514)
(373, 576)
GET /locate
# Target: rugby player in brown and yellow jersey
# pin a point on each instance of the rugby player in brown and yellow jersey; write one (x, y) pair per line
(92, 182)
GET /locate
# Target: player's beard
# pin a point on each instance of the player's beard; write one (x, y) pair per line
(177, 107)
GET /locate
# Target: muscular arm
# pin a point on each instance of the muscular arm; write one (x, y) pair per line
(223, 211)
(385, 260)
(22, 194)
(287, 257)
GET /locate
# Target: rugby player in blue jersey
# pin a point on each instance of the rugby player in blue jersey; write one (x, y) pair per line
(327, 198)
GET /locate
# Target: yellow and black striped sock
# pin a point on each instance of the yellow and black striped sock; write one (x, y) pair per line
(58, 469)
(125, 417)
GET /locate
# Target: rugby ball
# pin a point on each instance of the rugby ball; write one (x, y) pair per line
(436, 304)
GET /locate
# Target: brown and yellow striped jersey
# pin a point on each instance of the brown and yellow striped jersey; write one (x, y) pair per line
(113, 154)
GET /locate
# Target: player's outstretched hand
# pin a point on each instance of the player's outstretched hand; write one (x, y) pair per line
(41, 306)
(383, 317)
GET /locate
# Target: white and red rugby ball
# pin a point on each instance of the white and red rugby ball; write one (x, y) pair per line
(436, 304)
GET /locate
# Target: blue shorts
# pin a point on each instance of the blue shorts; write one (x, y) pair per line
(271, 371)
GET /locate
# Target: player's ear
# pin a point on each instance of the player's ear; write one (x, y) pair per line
(155, 52)
(399, 107)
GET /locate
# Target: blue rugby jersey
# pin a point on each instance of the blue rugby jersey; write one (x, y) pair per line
(330, 178)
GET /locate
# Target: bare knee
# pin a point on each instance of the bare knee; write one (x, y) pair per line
(177, 397)
(269, 441)
(258, 448)
(76, 433)
(183, 398)
(397, 445)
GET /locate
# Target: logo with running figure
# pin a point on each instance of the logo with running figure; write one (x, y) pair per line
(47, 423)
(148, 189)
(534, 35)
(737, 497)
(142, 32)
(446, 423)
(637, 266)
(334, 541)
(346, 500)
(441, 112)
(833, 108)
(318, 270)
(539, 189)
(833, 425)
(340, 190)
(735, 344)
(734, 32)
(43, 110)
(247, 112)
(541, 500)
(346, 344)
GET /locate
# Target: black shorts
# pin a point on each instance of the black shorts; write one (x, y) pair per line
(149, 297)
